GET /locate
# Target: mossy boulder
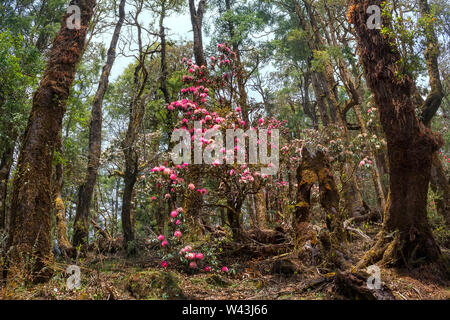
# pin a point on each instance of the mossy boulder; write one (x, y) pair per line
(154, 285)
(217, 280)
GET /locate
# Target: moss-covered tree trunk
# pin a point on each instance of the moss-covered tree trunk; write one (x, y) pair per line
(406, 236)
(81, 226)
(315, 168)
(441, 185)
(260, 203)
(60, 210)
(31, 203)
(306, 177)
(439, 181)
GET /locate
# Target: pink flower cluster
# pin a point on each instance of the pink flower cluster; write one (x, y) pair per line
(163, 240)
(191, 256)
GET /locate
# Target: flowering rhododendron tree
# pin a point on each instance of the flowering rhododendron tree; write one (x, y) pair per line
(208, 100)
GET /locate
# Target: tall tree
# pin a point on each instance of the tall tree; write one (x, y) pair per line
(31, 204)
(406, 236)
(81, 226)
(194, 200)
(136, 116)
(439, 181)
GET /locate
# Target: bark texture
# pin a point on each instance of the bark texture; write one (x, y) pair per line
(315, 168)
(406, 237)
(5, 170)
(197, 24)
(61, 229)
(31, 204)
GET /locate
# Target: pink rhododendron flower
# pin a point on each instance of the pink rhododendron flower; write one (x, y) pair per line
(153, 198)
(177, 234)
(238, 109)
(208, 269)
(164, 264)
(193, 265)
(178, 222)
(161, 237)
(199, 256)
(190, 256)
(174, 214)
(191, 186)
(173, 176)
(224, 269)
(164, 243)
(167, 196)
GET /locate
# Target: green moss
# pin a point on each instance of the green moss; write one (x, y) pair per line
(154, 285)
(302, 204)
(217, 280)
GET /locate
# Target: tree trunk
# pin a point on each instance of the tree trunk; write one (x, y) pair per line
(194, 203)
(441, 185)
(197, 24)
(31, 203)
(406, 237)
(162, 35)
(137, 111)
(439, 181)
(315, 168)
(241, 72)
(260, 203)
(61, 228)
(81, 226)
(127, 223)
(306, 177)
(194, 199)
(234, 218)
(5, 170)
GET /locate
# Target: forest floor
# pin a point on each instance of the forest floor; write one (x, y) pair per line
(114, 276)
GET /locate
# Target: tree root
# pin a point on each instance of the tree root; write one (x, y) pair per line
(353, 285)
(390, 251)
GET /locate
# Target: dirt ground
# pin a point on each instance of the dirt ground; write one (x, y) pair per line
(115, 277)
